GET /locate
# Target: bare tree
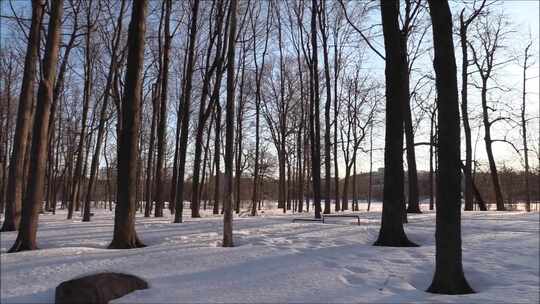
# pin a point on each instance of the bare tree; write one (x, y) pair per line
(229, 130)
(124, 235)
(490, 33)
(22, 129)
(26, 238)
(449, 277)
(314, 122)
(391, 232)
(526, 64)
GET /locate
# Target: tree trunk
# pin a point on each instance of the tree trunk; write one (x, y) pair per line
(414, 206)
(449, 277)
(124, 235)
(468, 192)
(489, 149)
(26, 238)
(336, 166)
(315, 129)
(15, 178)
(524, 131)
(229, 131)
(239, 137)
(391, 232)
(217, 157)
(370, 185)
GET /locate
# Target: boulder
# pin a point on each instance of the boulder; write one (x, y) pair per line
(97, 288)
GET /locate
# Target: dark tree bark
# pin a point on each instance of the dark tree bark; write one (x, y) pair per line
(449, 277)
(217, 158)
(186, 103)
(431, 156)
(174, 180)
(26, 238)
(229, 130)
(391, 232)
(239, 134)
(22, 129)
(411, 11)
(314, 122)
(125, 236)
(337, 68)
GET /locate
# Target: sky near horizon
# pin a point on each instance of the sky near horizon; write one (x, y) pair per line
(524, 18)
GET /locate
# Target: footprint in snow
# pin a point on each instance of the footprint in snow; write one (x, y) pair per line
(356, 270)
(352, 280)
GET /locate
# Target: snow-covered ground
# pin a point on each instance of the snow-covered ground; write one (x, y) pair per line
(276, 260)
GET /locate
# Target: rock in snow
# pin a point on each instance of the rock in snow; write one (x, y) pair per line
(98, 288)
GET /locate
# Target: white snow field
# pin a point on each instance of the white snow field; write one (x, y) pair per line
(276, 260)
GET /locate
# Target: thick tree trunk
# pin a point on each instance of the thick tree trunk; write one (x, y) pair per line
(15, 178)
(391, 232)
(26, 238)
(449, 277)
(124, 235)
(229, 131)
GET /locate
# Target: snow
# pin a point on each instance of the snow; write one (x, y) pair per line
(276, 260)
